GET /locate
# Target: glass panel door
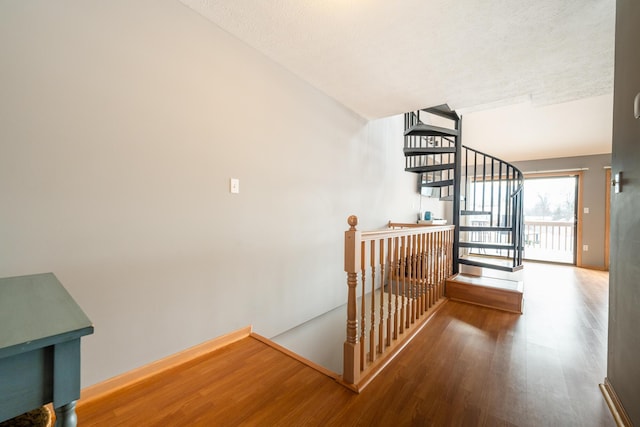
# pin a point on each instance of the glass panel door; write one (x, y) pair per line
(550, 219)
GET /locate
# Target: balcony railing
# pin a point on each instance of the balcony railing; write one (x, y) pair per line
(549, 240)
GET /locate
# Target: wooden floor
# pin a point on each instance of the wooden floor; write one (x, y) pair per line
(470, 366)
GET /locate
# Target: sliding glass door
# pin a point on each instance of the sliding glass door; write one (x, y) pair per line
(550, 219)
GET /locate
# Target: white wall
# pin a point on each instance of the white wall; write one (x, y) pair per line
(121, 123)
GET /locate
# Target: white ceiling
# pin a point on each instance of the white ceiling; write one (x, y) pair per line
(525, 132)
(381, 57)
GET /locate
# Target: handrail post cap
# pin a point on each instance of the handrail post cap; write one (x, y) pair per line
(352, 221)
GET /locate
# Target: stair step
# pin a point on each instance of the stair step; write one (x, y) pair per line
(480, 245)
(494, 263)
(422, 151)
(431, 168)
(444, 183)
(490, 272)
(422, 129)
(475, 213)
(442, 111)
(490, 292)
(480, 228)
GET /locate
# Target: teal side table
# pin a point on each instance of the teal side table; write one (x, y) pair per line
(40, 331)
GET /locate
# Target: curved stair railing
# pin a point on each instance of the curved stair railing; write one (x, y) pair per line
(486, 191)
(491, 214)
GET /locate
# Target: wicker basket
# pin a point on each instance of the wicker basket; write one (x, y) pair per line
(40, 417)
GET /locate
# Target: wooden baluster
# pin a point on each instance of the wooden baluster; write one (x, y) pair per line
(434, 281)
(427, 286)
(444, 257)
(396, 263)
(440, 258)
(389, 288)
(351, 365)
(449, 258)
(408, 284)
(434, 264)
(363, 304)
(434, 259)
(436, 255)
(381, 323)
(445, 253)
(420, 305)
(445, 243)
(414, 256)
(427, 269)
(451, 241)
(411, 303)
(416, 276)
(430, 270)
(451, 235)
(419, 290)
(428, 256)
(423, 274)
(403, 275)
(423, 281)
(445, 264)
(417, 279)
(372, 330)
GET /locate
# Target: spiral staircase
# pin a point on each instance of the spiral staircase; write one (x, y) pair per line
(486, 197)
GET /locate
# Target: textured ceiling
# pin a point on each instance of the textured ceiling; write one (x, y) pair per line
(524, 132)
(381, 57)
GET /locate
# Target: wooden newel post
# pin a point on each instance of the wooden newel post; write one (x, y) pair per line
(351, 364)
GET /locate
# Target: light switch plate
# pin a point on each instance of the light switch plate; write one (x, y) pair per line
(234, 186)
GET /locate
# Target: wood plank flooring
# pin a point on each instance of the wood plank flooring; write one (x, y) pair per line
(470, 366)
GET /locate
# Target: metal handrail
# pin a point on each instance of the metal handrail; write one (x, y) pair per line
(493, 186)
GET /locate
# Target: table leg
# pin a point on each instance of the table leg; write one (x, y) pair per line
(66, 415)
(66, 382)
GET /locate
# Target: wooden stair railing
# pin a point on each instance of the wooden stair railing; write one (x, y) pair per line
(395, 282)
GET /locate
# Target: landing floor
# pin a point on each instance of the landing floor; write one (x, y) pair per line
(470, 366)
